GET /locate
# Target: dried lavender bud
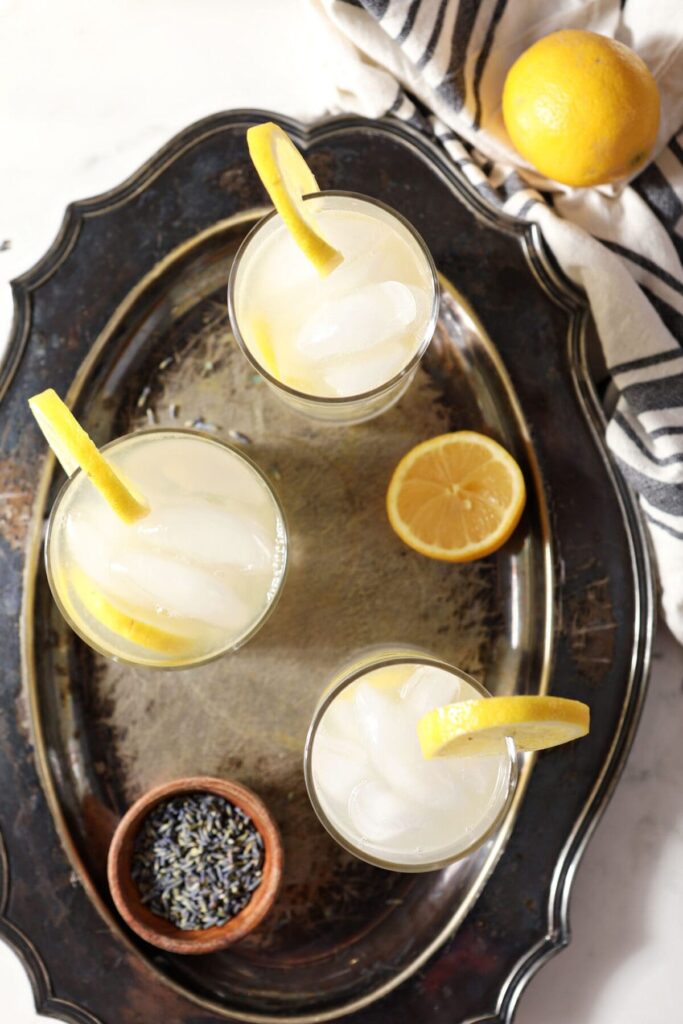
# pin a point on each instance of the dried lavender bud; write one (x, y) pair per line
(197, 860)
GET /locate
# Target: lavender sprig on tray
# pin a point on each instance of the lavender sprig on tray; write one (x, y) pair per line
(197, 860)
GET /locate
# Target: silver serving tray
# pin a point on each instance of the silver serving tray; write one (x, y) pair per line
(138, 276)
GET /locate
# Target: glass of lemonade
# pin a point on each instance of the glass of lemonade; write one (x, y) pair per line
(344, 347)
(366, 777)
(191, 580)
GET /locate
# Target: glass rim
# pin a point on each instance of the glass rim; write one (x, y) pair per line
(325, 701)
(196, 662)
(337, 400)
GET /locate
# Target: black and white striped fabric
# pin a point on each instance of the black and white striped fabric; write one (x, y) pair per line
(623, 245)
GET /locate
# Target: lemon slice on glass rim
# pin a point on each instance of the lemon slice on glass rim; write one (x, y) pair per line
(74, 449)
(287, 178)
(477, 727)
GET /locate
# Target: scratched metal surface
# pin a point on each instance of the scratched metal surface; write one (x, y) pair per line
(566, 604)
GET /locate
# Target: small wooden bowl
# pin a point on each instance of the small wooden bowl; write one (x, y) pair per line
(157, 930)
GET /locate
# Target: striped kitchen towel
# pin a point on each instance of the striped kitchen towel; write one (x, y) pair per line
(622, 244)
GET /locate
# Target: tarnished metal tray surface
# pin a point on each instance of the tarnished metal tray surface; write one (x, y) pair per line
(127, 314)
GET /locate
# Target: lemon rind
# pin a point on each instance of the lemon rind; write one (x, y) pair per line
(74, 449)
(264, 141)
(472, 726)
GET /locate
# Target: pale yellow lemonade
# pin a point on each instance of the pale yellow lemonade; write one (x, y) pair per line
(342, 336)
(191, 579)
(371, 785)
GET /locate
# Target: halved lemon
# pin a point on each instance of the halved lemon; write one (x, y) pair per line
(74, 448)
(287, 178)
(121, 621)
(478, 726)
(456, 497)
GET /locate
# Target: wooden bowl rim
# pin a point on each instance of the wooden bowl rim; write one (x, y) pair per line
(157, 930)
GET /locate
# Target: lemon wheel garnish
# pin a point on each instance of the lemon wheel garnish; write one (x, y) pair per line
(74, 449)
(287, 178)
(124, 624)
(478, 726)
(456, 497)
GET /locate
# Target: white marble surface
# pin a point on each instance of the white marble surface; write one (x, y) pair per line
(87, 92)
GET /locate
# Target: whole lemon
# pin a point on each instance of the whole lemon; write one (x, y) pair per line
(582, 108)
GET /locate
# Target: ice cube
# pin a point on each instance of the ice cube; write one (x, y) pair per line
(429, 688)
(378, 814)
(373, 251)
(92, 539)
(363, 371)
(197, 468)
(120, 562)
(371, 260)
(374, 714)
(340, 717)
(339, 765)
(428, 783)
(203, 532)
(179, 589)
(358, 321)
(390, 731)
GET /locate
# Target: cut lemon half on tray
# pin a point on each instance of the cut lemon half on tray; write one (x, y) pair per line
(477, 727)
(74, 449)
(456, 497)
(287, 178)
(124, 623)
